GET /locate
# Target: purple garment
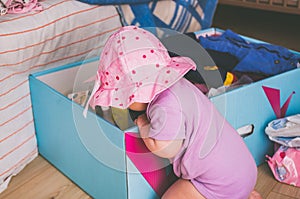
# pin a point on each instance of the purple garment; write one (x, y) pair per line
(214, 157)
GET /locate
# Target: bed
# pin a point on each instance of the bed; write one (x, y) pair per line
(65, 31)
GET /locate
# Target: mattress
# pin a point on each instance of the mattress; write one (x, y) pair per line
(65, 31)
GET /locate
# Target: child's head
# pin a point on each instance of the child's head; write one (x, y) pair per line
(134, 67)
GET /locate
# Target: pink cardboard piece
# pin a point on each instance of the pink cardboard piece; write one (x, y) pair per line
(152, 167)
(273, 96)
(286, 104)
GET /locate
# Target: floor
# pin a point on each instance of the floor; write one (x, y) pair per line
(40, 180)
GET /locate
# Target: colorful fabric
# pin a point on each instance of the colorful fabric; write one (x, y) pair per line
(285, 165)
(114, 2)
(181, 15)
(19, 6)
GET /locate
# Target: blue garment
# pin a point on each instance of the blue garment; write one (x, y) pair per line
(145, 15)
(114, 2)
(184, 13)
(262, 58)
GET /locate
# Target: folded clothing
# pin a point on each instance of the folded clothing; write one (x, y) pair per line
(284, 127)
(285, 131)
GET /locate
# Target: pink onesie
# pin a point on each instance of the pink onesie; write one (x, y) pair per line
(214, 157)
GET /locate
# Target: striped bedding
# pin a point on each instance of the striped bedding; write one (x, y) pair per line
(65, 31)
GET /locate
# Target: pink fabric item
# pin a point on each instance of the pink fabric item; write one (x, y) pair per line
(22, 6)
(152, 167)
(134, 67)
(285, 165)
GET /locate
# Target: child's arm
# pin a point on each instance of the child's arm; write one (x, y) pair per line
(161, 148)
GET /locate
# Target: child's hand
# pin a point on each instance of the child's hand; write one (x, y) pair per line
(142, 120)
(144, 125)
(161, 148)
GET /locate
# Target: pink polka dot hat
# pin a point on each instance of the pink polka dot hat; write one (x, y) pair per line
(134, 67)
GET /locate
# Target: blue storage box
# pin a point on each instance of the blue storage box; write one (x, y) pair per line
(93, 153)
(90, 151)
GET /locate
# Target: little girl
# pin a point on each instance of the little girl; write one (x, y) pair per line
(175, 119)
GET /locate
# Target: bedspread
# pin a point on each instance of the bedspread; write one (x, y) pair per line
(65, 31)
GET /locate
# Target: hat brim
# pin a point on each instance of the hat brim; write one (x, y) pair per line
(164, 78)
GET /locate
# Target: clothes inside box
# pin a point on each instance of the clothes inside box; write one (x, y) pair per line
(118, 117)
(242, 62)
